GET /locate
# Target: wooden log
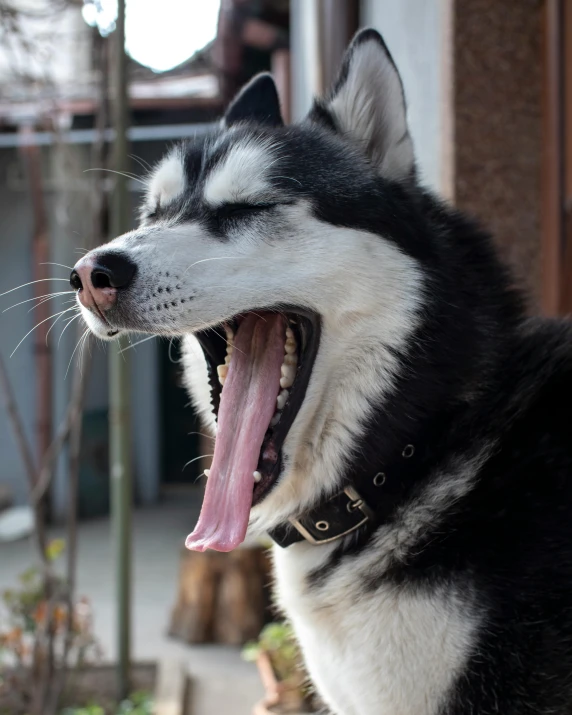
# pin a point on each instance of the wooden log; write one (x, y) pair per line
(222, 598)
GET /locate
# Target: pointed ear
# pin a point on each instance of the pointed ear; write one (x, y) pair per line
(256, 102)
(367, 103)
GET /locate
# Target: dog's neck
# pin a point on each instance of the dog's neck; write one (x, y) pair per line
(422, 419)
(374, 484)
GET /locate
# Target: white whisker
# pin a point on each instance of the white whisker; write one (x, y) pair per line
(52, 326)
(69, 322)
(40, 280)
(175, 362)
(82, 338)
(202, 456)
(204, 260)
(86, 341)
(202, 434)
(51, 317)
(39, 297)
(134, 345)
(258, 316)
(120, 173)
(45, 300)
(142, 162)
(289, 178)
(62, 265)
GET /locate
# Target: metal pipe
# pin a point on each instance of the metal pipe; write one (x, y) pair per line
(40, 256)
(119, 373)
(159, 132)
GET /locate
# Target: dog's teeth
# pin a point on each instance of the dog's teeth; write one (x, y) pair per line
(207, 472)
(289, 333)
(227, 359)
(257, 476)
(229, 333)
(291, 360)
(289, 372)
(290, 346)
(222, 371)
(275, 420)
(286, 382)
(281, 399)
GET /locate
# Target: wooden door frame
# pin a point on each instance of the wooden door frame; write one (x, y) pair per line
(556, 238)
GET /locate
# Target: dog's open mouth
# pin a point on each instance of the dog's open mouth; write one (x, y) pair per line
(258, 373)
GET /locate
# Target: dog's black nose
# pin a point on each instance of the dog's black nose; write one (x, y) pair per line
(112, 270)
(106, 270)
(103, 270)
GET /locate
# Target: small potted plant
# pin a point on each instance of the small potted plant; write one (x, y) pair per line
(279, 663)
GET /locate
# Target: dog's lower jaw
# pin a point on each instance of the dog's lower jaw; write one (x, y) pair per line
(324, 435)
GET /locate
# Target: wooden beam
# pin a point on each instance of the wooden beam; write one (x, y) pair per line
(566, 292)
(552, 166)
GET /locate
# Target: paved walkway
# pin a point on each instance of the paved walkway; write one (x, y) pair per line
(222, 683)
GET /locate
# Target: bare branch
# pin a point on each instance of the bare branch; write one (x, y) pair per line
(18, 427)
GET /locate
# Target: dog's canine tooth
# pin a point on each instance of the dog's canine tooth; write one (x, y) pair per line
(257, 476)
(207, 472)
(281, 399)
(222, 371)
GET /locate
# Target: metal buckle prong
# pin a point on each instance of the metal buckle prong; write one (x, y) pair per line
(356, 501)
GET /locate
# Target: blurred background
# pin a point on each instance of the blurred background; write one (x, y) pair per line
(489, 90)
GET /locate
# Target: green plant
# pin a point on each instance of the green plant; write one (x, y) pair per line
(87, 710)
(41, 632)
(292, 692)
(279, 642)
(138, 703)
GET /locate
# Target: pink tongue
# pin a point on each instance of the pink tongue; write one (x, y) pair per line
(247, 404)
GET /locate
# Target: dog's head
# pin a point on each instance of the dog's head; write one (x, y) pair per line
(282, 255)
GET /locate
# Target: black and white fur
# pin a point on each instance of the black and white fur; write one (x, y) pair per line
(462, 601)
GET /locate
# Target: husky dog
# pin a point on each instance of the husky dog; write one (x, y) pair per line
(381, 404)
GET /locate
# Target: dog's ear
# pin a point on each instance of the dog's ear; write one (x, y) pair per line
(256, 102)
(367, 104)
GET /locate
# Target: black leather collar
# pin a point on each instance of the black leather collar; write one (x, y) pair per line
(367, 500)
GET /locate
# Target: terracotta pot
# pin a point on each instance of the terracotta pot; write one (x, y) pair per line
(279, 699)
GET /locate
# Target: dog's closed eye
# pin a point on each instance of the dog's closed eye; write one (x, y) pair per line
(239, 210)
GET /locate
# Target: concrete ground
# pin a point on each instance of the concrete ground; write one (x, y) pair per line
(222, 684)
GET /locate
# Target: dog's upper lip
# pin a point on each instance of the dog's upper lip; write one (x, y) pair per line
(96, 310)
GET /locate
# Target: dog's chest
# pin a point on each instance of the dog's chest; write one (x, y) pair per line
(374, 652)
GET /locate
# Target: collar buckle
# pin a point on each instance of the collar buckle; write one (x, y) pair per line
(342, 514)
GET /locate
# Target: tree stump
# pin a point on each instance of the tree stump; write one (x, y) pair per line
(222, 598)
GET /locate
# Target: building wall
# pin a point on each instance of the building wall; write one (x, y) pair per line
(472, 71)
(417, 36)
(66, 199)
(15, 269)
